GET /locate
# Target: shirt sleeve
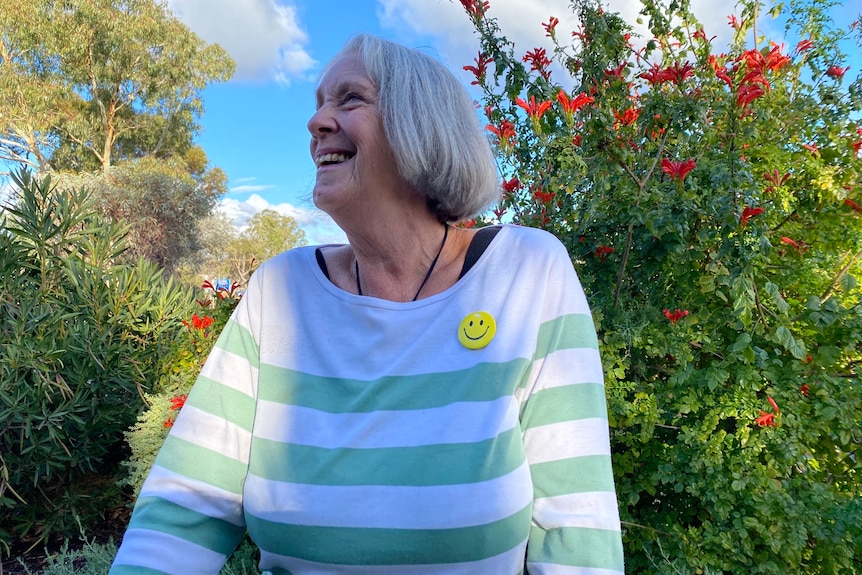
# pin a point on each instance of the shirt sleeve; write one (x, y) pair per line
(189, 515)
(575, 524)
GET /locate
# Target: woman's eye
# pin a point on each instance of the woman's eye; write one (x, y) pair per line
(352, 98)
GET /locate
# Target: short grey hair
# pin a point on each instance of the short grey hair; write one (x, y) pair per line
(432, 126)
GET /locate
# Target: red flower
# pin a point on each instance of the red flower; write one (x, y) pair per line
(511, 185)
(575, 104)
(804, 46)
(800, 246)
(679, 73)
(505, 133)
(204, 303)
(656, 75)
(768, 419)
(201, 322)
(811, 148)
(734, 23)
(474, 7)
(539, 62)
(804, 389)
(675, 316)
(480, 68)
(677, 170)
(775, 178)
(603, 251)
(543, 197)
(836, 72)
(851, 204)
(550, 26)
(534, 110)
(616, 72)
(177, 402)
(748, 213)
(747, 93)
(628, 117)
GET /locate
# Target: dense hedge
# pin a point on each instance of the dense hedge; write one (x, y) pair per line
(710, 198)
(81, 339)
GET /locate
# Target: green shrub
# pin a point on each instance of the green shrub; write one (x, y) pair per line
(710, 199)
(80, 342)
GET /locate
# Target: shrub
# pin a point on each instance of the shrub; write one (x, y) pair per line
(80, 342)
(710, 202)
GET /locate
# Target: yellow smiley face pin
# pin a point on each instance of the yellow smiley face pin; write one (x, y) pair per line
(477, 330)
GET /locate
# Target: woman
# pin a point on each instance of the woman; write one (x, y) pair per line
(424, 399)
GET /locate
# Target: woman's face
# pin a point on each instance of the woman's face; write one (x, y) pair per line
(348, 144)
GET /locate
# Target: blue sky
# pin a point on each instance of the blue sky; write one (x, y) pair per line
(254, 127)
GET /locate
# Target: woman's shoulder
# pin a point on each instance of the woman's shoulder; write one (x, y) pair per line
(533, 239)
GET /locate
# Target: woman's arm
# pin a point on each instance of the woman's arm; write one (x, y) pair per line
(576, 528)
(189, 515)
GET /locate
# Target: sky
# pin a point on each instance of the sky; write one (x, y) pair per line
(254, 126)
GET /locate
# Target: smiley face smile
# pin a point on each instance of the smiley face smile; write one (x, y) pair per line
(477, 330)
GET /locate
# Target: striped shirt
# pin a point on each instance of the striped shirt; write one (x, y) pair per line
(356, 435)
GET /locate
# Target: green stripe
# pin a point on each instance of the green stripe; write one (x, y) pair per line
(566, 403)
(202, 464)
(212, 397)
(483, 382)
(441, 464)
(566, 332)
(577, 547)
(236, 339)
(164, 516)
(574, 475)
(375, 546)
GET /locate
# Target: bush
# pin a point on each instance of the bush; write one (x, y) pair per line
(711, 203)
(80, 342)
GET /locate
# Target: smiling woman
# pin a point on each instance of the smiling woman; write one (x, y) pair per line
(423, 399)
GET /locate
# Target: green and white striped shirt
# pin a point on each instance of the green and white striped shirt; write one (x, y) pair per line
(355, 435)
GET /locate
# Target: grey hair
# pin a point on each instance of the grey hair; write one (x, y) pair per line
(432, 126)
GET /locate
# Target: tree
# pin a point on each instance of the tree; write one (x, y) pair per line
(85, 83)
(161, 201)
(229, 253)
(711, 203)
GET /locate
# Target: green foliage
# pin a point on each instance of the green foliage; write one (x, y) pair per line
(710, 202)
(80, 343)
(85, 83)
(95, 559)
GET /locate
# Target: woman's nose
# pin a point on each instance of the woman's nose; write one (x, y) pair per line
(322, 121)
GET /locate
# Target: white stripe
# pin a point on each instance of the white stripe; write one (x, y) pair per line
(535, 568)
(509, 562)
(166, 553)
(463, 422)
(229, 369)
(212, 432)
(567, 439)
(567, 367)
(594, 510)
(388, 506)
(193, 494)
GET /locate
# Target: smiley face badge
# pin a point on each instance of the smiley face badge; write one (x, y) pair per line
(477, 330)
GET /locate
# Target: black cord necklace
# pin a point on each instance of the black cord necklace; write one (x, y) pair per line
(427, 275)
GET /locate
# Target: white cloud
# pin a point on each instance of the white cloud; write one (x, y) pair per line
(521, 22)
(264, 37)
(319, 227)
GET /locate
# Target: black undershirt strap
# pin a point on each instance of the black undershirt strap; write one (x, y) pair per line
(478, 245)
(322, 263)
